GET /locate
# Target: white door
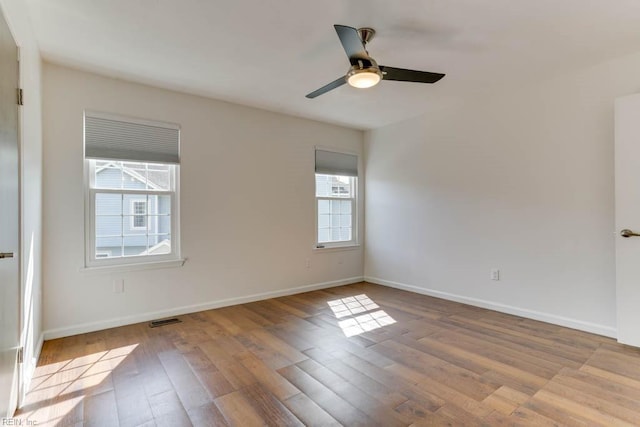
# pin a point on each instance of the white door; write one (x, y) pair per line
(627, 146)
(9, 267)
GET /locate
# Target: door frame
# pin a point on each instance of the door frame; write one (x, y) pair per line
(17, 386)
(22, 387)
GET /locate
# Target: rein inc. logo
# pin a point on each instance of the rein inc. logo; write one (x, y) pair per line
(18, 422)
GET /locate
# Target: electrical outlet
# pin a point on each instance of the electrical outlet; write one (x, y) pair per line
(495, 274)
(308, 263)
(118, 286)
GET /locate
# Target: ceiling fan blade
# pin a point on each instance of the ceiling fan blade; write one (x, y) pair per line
(351, 43)
(326, 88)
(402, 75)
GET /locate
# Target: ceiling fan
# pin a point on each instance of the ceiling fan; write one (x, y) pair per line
(365, 71)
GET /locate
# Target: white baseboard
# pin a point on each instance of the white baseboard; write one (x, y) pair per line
(595, 328)
(177, 311)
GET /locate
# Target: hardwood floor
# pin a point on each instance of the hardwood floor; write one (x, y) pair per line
(408, 360)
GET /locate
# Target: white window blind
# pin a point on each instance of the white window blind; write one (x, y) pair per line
(332, 163)
(109, 137)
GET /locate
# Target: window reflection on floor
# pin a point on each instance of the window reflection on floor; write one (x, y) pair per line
(360, 314)
(57, 389)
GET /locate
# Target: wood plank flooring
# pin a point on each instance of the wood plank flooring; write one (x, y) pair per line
(357, 355)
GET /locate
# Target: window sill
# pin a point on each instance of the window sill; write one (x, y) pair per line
(125, 268)
(336, 248)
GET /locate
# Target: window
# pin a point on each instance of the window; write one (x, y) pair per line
(336, 199)
(131, 196)
(139, 218)
(336, 202)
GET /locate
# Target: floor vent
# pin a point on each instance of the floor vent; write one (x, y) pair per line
(162, 322)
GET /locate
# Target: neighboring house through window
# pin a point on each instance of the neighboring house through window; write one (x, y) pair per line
(336, 198)
(132, 199)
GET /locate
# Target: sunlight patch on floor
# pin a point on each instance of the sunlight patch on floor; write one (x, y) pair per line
(58, 388)
(54, 414)
(359, 315)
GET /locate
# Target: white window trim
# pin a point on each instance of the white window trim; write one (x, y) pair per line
(345, 244)
(131, 262)
(126, 268)
(336, 248)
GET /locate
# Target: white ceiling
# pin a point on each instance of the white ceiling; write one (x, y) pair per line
(269, 54)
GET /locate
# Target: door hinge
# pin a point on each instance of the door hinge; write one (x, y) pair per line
(20, 98)
(21, 355)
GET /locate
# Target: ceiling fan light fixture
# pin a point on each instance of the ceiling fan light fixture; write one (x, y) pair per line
(363, 79)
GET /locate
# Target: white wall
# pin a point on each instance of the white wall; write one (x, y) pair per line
(521, 181)
(31, 181)
(247, 212)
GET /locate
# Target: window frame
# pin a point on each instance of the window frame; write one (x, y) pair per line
(355, 200)
(91, 258)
